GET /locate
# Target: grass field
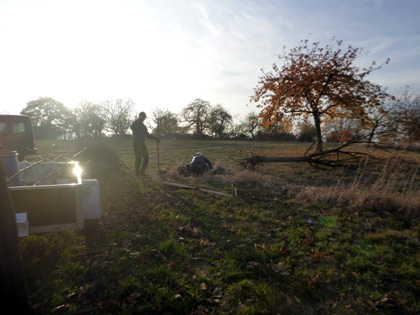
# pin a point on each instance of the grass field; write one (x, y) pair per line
(294, 240)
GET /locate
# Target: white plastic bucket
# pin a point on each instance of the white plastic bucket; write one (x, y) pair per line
(91, 199)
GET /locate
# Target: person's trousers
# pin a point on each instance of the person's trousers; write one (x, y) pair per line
(142, 157)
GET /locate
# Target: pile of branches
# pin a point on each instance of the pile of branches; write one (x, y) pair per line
(336, 157)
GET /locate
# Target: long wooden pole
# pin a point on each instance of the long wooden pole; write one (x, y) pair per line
(23, 170)
(197, 188)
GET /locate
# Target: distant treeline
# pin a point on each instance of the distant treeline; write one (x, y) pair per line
(317, 94)
(398, 121)
(112, 118)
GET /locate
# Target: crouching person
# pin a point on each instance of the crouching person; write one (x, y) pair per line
(199, 165)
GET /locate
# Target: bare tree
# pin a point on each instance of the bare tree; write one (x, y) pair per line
(404, 119)
(90, 120)
(196, 116)
(378, 122)
(343, 127)
(166, 122)
(250, 124)
(219, 121)
(119, 114)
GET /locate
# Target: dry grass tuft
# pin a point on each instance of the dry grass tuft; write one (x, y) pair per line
(388, 187)
(359, 199)
(234, 177)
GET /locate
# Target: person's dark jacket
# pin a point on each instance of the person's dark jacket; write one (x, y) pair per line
(140, 132)
(201, 161)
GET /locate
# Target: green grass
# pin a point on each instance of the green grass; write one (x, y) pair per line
(293, 241)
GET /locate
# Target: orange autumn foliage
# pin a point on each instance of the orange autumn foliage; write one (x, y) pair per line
(318, 82)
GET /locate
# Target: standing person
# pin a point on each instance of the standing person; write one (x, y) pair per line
(140, 134)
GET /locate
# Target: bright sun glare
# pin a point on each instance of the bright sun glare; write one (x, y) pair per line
(97, 50)
(77, 170)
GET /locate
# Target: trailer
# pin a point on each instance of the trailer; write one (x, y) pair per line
(50, 196)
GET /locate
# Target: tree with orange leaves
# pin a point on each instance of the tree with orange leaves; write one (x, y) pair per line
(318, 82)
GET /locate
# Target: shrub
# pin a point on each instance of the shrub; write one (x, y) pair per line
(307, 133)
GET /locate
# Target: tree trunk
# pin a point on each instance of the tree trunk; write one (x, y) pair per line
(372, 133)
(394, 140)
(317, 122)
(324, 158)
(197, 128)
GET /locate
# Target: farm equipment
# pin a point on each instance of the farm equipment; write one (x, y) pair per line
(51, 196)
(16, 134)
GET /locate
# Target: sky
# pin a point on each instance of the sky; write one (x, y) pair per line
(167, 53)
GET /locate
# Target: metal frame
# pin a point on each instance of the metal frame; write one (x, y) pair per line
(59, 227)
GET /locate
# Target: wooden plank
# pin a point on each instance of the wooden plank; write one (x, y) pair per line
(197, 188)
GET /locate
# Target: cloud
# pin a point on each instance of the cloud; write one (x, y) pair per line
(165, 53)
